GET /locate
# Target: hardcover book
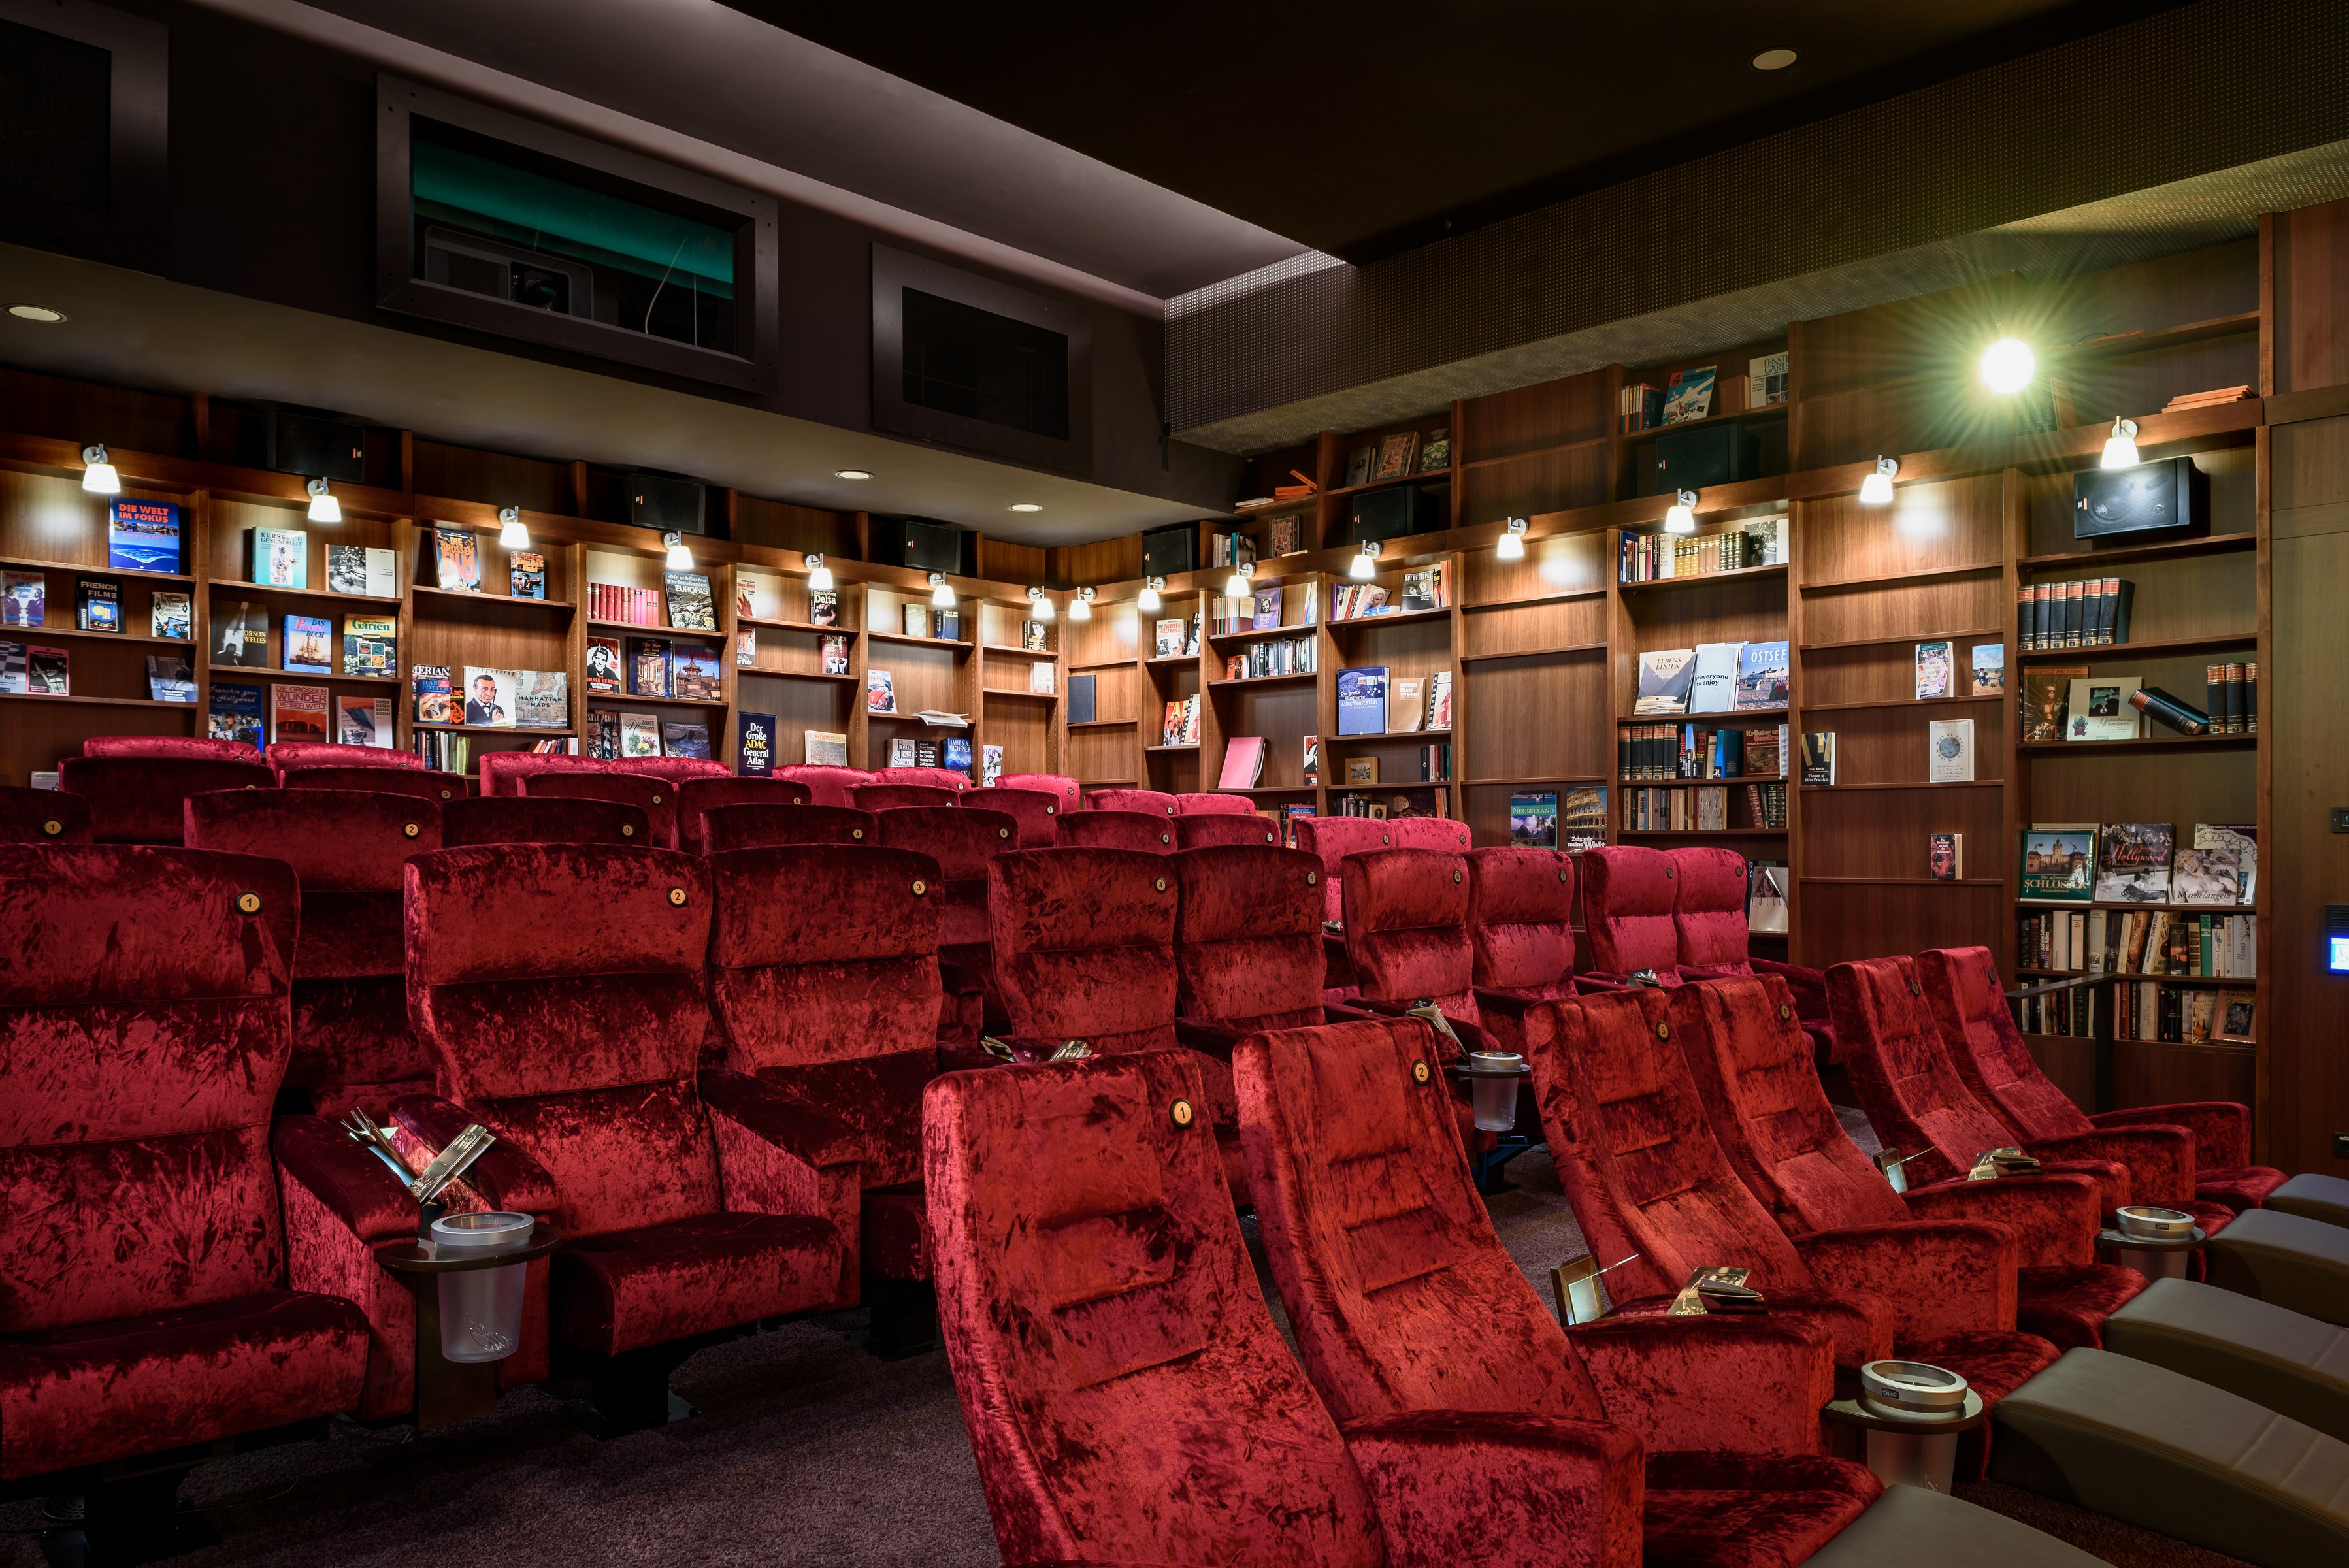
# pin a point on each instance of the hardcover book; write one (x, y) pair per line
(694, 674)
(685, 738)
(298, 713)
(946, 625)
(542, 700)
(456, 560)
(490, 697)
(954, 751)
(171, 615)
(1396, 452)
(2206, 876)
(1950, 751)
(604, 675)
(360, 569)
(1934, 674)
(2098, 708)
(2044, 689)
(14, 679)
(49, 672)
(2133, 863)
(1767, 383)
(1265, 610)
(1243, 762)
(309, 644)
(649, 667)
(1533, 820)
(2059, 863)
(746, 648)
(170, 678)
(1032, 636)
(833, 648)
(991, 765)
(1986, 669)
(235, 713)
(1363, 700)
(1689, 395)
(603, 734)
(640, 735)
(1418, 590)
(1945, 857)
(1712, 684)
(1041, 676)
(363, 721)
(97, 605)
(23, 597)
(689, 607)
(1819, 758)
(1312, 751)
(1406, 704)
(823, 607)
(1762, 676)
(2242, 841)
(1665, 677)
(277, 557)
(370, 645)
(901, 752)
(824, 749)
(526, 574)
(1358, 463)
(1167, 639)
(880, 694)
(435, 704)
(142, 535)
(916, 620)
(1083, 690)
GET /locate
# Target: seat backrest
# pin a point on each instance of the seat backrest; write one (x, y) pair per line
(1429, 833)
(143, 1003)
(1969, 1009)
(288, 754)
(655, 798)
(1038, 812)
(347, 849)
(1065, 790)
(1121, 830)
(500, 771)
(200, 746)
(1334, 838)
(1378, 1239)
(1521, 919)
(1635, 1154)
(1103, 1324)
(1628, 896)
(725, 827)
(1212, 803)
(1407, 929)
(1769, 1112)
(1201, 832)
(697, 798)
(1906, 1083)
(826, 786)
(42, 817)
(416, 783)
(136, 799)
(675, 769)
(1157, 802)
(559, 985)
(961, 840)
(1084, 945)
(541, 819)
(1247, 936)
(877, 798)
(937, 777)
(1709, 909)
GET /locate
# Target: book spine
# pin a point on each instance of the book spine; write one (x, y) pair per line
(2251, 699)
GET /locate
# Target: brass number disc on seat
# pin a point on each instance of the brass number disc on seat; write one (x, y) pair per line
(1161, 885)
(1561, 873)
(1312, 879)
(1668, 873)
(1166, 837)
(920, 887)
(408, 830)
(628, 830)
(1419, 1073)
(655, 799)
(1663, 1031)
(1455, 873)
(1384, 839)
(677, 896)
(1181, 1113)
(1050, 810)
(53, 827)
(855, 832)
(1002, 832)
(249, 902)
(1785, 1012)
(444, 794)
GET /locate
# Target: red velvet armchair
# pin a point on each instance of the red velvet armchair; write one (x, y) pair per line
(416, 783)
(883, 796)
(697, 798)
(199, 746)
(501, 771)
(1065, 790)
(135, 798)
(1127, 1398)
(655, 798)
(292, 754)
(1709, 918)
(1756, 1076)
(42, 817)
(678, 770)
(727, 828)
(1969, 1007)
(1406, 917)
(937, 777)
(521, 820)
(347, 849)
(1123, 830)
(963, 841)
(1628, 894)
(1403, 1301)
(560, 988)
(1157, 802)
(1333, 839)
(826, 786)
(1038, 811)
(144, 1299)
(1084, 947)
(1520, 935)
(1205, 831)
(1212, 803)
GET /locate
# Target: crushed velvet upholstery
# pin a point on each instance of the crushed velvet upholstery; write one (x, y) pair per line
(1334, 838)
(416, 783)
(725, 827)
(1119, 830)
(1157, 802)
(500, 771)
(878, 798)
(1084, 945)
(1406, 914)
(1431, 833)
(1065, 792)
(42, 817)
(826, 786)
(1200, 831)
(201, 746)
(1038, 812)
(675, 769)
(137, 799)
(962, 841)
(1212, 803)
(1628, 896)
(346, 849)
(576, 1041)
(144, 1028)
(288, 754)
(1969, 1007)
(939, 777)
(655, 798)
(1127, 1398)
(1520, 935)
(512, 818)
(697, 798)
(1709, 918)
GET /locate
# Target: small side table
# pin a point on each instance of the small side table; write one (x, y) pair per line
(449, 1391)
(1912, 1450)
(2153, 1259)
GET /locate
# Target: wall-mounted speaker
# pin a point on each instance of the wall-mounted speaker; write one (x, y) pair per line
(2169, 494)
(1171, 551)
(1393, 513)
(1700, 457)
(923, 546)
(667, 505)
(317, 448)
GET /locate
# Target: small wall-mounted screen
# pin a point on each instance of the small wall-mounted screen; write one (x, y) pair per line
(2339, 961)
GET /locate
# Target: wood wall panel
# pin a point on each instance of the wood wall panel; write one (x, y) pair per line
(779, 525)
(1542, 626)
(1842, 921)
(1553, 564)
(2233, 475)
(1886, 837)
(2311, 297)
(1562, 732)
(1928, 528)
(493, 479)
(82, 412)
(2149, 1073)
(2071, 1063)
(1530, 486)
(1527, 419)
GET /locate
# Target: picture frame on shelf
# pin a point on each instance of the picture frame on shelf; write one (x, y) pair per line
(2235, 1020)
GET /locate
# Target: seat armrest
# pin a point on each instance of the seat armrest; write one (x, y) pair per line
(2114, 1186)
(2159, 1158)
(1751, 1386)
(2221, 1128)
(1502, 1002)
(2053, 1215)
(1471, 1038)
(350, 1183)
(1941, 1277)
(1459, 1489)
(1207, 1038)
(805, 1132)
(777, 1156)
(1808, 985)
(505, 1176)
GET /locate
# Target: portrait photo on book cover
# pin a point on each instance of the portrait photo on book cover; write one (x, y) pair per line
(485, 702)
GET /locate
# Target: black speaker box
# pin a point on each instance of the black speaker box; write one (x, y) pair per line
(1708, 455)
(1171, 551)
(1394, 513)
(923, 546)
(317, 448)
(2172, 494)
(669, 505)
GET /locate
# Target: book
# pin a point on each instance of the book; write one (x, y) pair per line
(434, 702)
(526, 574)
(1363, 700)
(370, 645)
(277, 557)
(640, 735)
(1712, 681)
(309, 642)
(1042, 677)
(955, 752)
(916, 620)
(1819, 758)
(1418, 590)
(650, 663)
(456, 560)
(1765, 896)
(1284, 535)
(1768, 381)
(361, 569)
(542, 700)
(2046, 690)
(235, 713)
(171, 615)
(49, 672)
(901, 752)
(1689, 395)
(2133, 863)
(603, 734)
(1359, 465)
(2242, 841)
(1762, 680)
(97, 605)
(1406, 704)
(1396, 452)
(926, 753)
(363, 721)
(823, 607)
(2059, 862)
(1439, 700)
(1935, 676)
(1032, 636)
(13, 678)
(1435, 452)
(1950, 751)
(298, 713)
(824, 749)
(1986, 669)
(1945, 857)
(489, 695)
(991, 765)
(142, 535)
(1167, 639)
(23, 597)
(832, 649)
(1083, 697)
(1243, 762)
(2206, 876)
(606, 676)
(2098, 708)
(171, 678)
(1533, 820)
(691, 608)
(1265, 610)
(685, 738)
(946, 625)
(693, 674)
(1361, 770)
(1312, 758)
(880, 695)
(1665, 677)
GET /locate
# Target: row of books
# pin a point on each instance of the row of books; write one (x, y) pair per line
(1397, 455)
(1384, 808)
(2139, 863)
(28, 669)
(1653, 752)
(97, 605)
(921, 620)
(1426, 765)
(2143, 941)
(1537, 818)
(1260, 612)
(1370, 703)
(613, 734)
(655, 666)
(280, 558)
(1272, 657)
(1653, 557)
(453, 753)
(1423, 588)
(2086, 613)
(1700, 809)
(685, 596)
(1713, 677)
(2144, 1010)
(236, 712)
(1171, 637)
(371, 642)
(492, 699)
(2233, 692)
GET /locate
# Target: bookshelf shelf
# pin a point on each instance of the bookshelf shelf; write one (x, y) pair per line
(900, 638)
(2107, 651)
(2046, 905)
(509, 600)
(1777, 712)
(1701, 832)
(792, 626)
(1963, 784)
(311, 594)
(516, 730)
(2127, 343)
(1922, 574)
(1172, 659)
(75, 701)
(1272, 790)
(1019, 652)
(1530, 600)
(1702, 579)
(615, 700)
(1026, 696)
(1726, 417)
(1104, 664)
(1903, 640)
(2144, 743)
(1400, 618)
(1899, 702)
(1559, 650)
(1105, 724)
(2239, 982)
(39, 564)
(1591, 443)
(2167, 550)
(629, 626)
(1260, 634)
(748, 672)
(1903, 882)
(1300, 677)
(1193, 746)
(254, 672)
(1431, 477)
(29, 633)
(1512, 783)
(1389, 734)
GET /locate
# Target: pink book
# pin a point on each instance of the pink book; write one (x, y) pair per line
(1243, 762)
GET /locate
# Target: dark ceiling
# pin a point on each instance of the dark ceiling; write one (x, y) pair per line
(1367, 128)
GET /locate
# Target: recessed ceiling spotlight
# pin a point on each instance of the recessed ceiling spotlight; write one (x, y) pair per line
(35, 313)
(1773, 59)
(1025, 506)
(852, 473)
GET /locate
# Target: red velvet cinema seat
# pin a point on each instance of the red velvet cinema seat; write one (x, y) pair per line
(136, 799)
(826, 786)
(1066, 792)
(200, 746)
(292, 754)
(1038, 811)
(725, 827)
(1628, 894)
(143, 1306)
(1761, 1091)
(1211, 803)
(416, 783)
(963, 841)
(42, 817)
(678, 770)
(697, 798)
(1084, 947)
(352, 1042)
(830, 1034)
(1383, 1251)
(1334, 838)
(1520, 935)
(544, 819)
(937, 777)
(878, 798)
(1157, 802)
(561, 989)
(1709, 919)
(655, 798)
(1969, 1007)
(1121, 830)
(1406, 932)
(1628, 1133)
(501, 772)
(1202, 831)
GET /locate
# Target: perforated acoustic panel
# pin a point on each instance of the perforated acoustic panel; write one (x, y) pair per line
(2168, 132)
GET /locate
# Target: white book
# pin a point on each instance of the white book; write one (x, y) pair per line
(2078, 946)
(1714, 687)
(1949, 750)
(2096, 941)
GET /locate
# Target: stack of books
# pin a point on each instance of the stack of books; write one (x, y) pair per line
(2206, 399)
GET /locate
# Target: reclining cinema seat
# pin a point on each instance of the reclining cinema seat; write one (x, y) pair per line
(1038, 811)
(1383, 1250)
(288, 755)
(1406, 918)
(831, 1025)
(962, 841)
(501, 772)
(1121, 830)
(543, 819)
(1207, 829)
(1629, 891)
(1066, 793)
(143, 1306)
(826, 786)
(1969, 1007)
(655, 798)
(678, 770)
(1084, 947)
(1645, 1177)
(947, 778)
(1709, 919)
(1755, 1075)
(1334, 838)
(352, 1042)
(42, 817)
(697, 798)
(725, 827)
(560, 988)
(877, 798)
(137, 799)
(1157, 802)
(1520, 935)
(416, 783)
(1212, 803)
(202, 747)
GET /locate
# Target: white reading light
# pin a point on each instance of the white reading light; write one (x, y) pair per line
(1876, 490)
(1512, 546)
(1147, 600)
(1236, 586)
(1025, 506)
(1365, 565)
(511, 534)
(2120, 447)
(819, 574)
(1682, 518)
(1080, 604)
(2007, 365)
(1037, 597)
(941, 591)
(100, 477)
(852, 473)
(324, 507)
(680, 559)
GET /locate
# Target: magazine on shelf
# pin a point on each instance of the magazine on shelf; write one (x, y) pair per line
(640, 735)
(1665, 677)
(171, 615)
(542, 700)
(298, 713)
(435, 703)
(685, 738)
(1363, 700)
(456, 560)
(277, 557)
(1713, 683)
(2059, 862)
(689, 605)
(488, 696)
(241, 636)
(362, 570)
(824, 749)
(880, 693)
(23, 597)
(309, 641)
(2133, 863)
(1243, 763)
(526, 574)
(142, 535)
(235, 713)
(1762, 676)
(363, 721)
(170, 678)
(371, 645)
(2242, 840)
